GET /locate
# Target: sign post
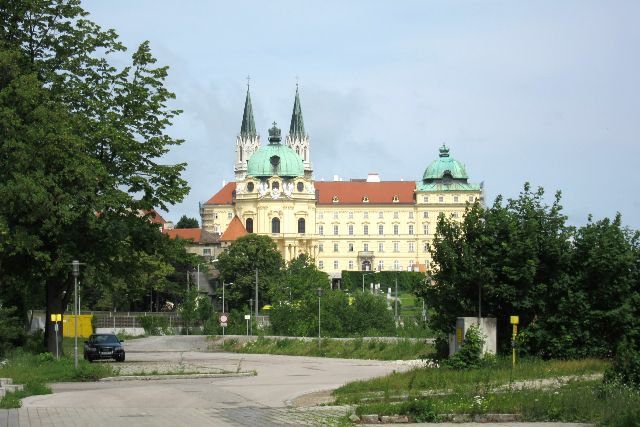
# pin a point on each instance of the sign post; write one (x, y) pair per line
(514, 321)
(247, 317)
(223, 322)
(56, 319)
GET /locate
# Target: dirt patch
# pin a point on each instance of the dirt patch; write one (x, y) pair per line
(316, 398)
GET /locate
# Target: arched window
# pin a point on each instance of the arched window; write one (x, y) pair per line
(275, 225)
(249, 225)
(301, 225)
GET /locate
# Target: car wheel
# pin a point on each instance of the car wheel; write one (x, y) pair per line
(120, 359)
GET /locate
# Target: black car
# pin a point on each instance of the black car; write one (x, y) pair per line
(103, 346)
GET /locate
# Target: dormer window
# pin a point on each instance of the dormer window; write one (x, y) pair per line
(365, 199)
(395, 199)
(335, 199)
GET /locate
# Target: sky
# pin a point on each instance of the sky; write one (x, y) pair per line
(546, 92)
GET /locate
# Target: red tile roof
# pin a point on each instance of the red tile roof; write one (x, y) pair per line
(224, 196)
(353, 192)
(234, 230)
(185, 233)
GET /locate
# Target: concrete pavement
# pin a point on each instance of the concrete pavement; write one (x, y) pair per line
(262, 400)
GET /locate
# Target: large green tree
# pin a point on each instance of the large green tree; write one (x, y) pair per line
(507, 259)
(81, 141)
(186, 222)
(247, 256)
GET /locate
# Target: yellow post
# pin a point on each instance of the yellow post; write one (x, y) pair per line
(514, 321)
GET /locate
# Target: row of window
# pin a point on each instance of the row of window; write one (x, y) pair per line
(396, 215)
(365, 229)
(365, 247)
(351, 265)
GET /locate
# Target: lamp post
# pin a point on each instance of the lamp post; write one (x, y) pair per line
(75, 270)
(365, 275)
(319, 295)
(223, 286)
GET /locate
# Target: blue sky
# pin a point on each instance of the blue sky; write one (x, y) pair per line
(540, 91)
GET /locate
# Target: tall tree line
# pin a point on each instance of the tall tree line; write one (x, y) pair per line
(576, 289)
(80, 146)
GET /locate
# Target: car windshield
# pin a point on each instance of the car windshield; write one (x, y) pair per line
(104, 339)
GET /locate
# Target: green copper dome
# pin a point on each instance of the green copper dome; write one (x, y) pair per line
(275, 159)
(445, 166)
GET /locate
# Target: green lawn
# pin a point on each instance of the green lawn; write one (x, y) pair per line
(426, 394)
(35, 371)
(356, 348)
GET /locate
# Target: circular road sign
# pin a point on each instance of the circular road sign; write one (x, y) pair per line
(223, 318)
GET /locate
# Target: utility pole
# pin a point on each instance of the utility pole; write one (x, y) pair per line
(256, 295)
(250, 321)
(395, 302)
(75, 270)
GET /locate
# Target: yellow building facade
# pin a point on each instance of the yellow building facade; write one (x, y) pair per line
(360, 224)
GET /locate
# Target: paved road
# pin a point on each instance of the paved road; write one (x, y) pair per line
(230, 401)
(266, 399)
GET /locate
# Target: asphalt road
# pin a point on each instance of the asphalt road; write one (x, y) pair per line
(263, 399)
(273, 397)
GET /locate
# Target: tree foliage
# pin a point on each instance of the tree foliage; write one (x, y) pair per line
(186, 222)
(80, 143)
(240, 262)
(569, 286)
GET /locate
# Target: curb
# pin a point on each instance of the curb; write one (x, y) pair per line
(176, 376)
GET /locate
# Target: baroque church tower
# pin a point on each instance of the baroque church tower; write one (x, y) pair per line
(297, 139)
(247, 142)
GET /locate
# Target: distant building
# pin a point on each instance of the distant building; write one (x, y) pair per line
(360, 224)
(200, 242)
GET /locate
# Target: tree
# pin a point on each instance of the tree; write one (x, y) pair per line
(80, 141)
(240, 262)
(186, 222)
(515, 257)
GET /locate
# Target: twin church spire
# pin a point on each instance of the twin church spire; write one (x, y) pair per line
(248, 141)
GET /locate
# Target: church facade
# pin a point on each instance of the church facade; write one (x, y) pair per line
(360, 224)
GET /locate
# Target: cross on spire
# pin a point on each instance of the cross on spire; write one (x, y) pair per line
(248, 81)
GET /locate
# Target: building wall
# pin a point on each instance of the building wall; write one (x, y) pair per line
(350, 247)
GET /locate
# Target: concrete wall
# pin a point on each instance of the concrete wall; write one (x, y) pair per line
(488, 327)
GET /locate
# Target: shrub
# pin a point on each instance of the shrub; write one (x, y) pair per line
(155, 325)
(11, 330)
(625, 366)
(470, 355)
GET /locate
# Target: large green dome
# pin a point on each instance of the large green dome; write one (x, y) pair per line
(275, 159)
(444, 165)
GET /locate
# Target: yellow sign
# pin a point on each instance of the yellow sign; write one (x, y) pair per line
(84, 326)
(515, 320)
(459, 335)
(56, 317)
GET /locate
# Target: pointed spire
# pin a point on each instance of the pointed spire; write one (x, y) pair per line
(248, 128)
(296, 130)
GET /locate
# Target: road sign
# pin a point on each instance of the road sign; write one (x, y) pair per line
(223, 318)
(56, 317)
(247, 316)
(515, 320)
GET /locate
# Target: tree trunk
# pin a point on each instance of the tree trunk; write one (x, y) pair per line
(57, 300)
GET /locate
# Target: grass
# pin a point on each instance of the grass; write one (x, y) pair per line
(427, 394)
(348, 349)
(35, 371)
(445, 380)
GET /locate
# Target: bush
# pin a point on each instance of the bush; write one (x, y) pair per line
(625, 366)
(470, 355)
(11, 330)
(155, 325)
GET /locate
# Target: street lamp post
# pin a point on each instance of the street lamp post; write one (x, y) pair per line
(75, 270)
(319, 295)
(365, 275)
